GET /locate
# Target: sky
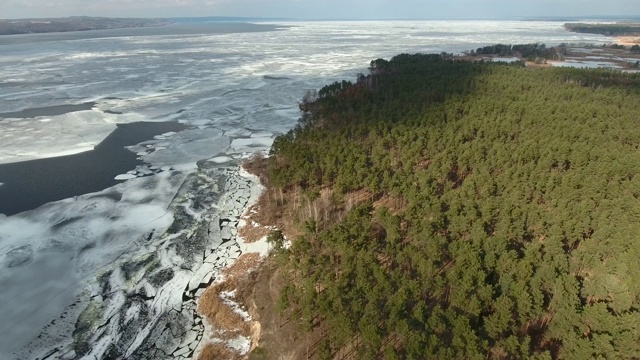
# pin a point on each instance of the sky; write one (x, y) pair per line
(321, 9)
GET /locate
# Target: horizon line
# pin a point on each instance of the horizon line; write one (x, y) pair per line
(260, 18)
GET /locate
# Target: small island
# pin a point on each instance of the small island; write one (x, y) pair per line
(74, 23)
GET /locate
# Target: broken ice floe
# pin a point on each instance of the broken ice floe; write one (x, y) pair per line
(141, 170)
(247, 144)
(64, 245)
(221, 159)
(54, 136)
(152, 294)
(125, 177)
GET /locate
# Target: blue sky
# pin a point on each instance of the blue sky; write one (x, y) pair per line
(315, 9)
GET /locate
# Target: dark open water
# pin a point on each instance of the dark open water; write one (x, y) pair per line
(30, 184)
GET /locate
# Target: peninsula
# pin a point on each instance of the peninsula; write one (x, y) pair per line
(450, 209)
(627, 33)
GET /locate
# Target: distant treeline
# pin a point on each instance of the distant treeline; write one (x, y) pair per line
(530, 52)
(605, 29)
(74, 23)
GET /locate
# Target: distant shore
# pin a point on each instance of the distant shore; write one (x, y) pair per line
(74, 23)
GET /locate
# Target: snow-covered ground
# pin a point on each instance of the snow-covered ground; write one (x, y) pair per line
(115, 272)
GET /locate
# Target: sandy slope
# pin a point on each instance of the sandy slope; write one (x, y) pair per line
(628, 40)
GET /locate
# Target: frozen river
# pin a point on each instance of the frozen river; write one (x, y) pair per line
(113, 273)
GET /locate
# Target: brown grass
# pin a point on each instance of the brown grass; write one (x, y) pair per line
(251, 233)
(223, 319)
(217, 352)
(257, 165)
(244, 265)
(221, 316)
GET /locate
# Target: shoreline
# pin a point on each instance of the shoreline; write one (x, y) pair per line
(223, 314)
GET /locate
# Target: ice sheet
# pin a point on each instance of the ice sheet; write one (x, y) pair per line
(51, 254)
(25, 139)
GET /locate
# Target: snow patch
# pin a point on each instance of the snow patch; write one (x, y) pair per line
(261, 247)
(124, 177)
(241, 344)
(229, 299)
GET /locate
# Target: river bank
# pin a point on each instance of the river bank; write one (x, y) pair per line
(229, 328)
(143, 304)
(242, 309)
